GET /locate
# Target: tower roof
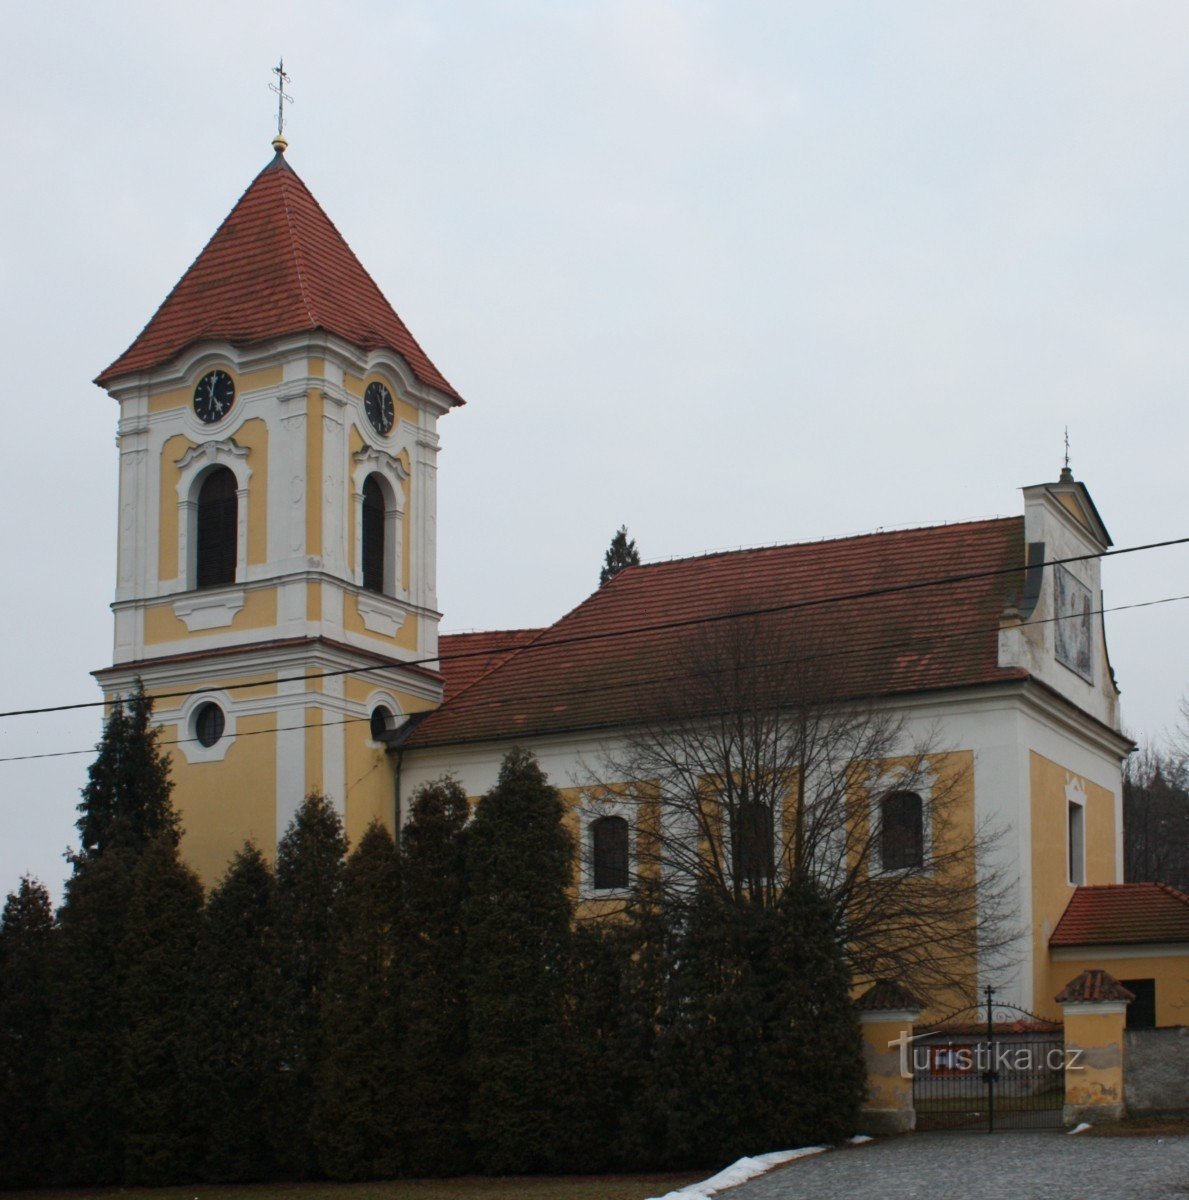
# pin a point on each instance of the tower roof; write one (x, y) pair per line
(276, 265)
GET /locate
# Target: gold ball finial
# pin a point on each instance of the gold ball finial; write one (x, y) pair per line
(279, 144)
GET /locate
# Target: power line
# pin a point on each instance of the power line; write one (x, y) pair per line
(186, 741)
(655, 627)
(637, 682)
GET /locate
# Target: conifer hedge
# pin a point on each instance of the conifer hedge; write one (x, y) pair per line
(431, 1008)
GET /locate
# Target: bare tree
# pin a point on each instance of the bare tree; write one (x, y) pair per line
(750, 774)
(1156, 815)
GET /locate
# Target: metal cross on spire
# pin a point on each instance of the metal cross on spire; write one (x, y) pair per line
(282, 95)
(1066, 473)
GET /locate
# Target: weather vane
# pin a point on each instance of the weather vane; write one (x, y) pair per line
(282, 95)
(1067, 447)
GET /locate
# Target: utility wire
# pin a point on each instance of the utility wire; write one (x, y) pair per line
(637, 683)
(655, 627)
(185, 741)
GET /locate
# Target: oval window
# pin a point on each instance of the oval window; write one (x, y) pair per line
(209, 724)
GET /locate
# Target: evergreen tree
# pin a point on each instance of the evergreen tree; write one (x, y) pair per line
(760, 1045)
(598, 1040)
(434, 1091)
(356, 1124)
(86, 1085)
(26, 933)
(125, 808)
(127, 796)
(621, 553)
(155, 959)
(518, 913)
(309, 876)
(234, 1030)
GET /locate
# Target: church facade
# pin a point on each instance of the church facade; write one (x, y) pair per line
(276, 593)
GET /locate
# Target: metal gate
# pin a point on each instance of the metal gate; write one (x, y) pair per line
(1006, 1071)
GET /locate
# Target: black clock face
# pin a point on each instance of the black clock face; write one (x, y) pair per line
(377, 403)
(214, 396)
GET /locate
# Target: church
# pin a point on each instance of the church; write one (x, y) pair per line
(276, 594)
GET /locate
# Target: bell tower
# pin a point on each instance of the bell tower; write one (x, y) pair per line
(276, 584)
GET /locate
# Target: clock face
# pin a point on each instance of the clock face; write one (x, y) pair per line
(377, 403)
(214, 396)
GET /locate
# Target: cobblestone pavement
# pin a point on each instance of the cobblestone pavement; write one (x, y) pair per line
(971, 1166)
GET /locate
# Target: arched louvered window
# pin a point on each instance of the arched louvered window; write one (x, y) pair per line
(218, 518)
(373, 535)
(902, 831)
(609, 845)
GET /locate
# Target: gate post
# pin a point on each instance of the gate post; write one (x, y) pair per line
(1095, 1005)
(887, 1013)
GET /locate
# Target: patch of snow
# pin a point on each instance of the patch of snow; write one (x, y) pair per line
(859, 1139)
(1079, 1129)
(739, 1172)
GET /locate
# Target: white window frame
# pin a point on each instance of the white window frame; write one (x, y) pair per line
(391, 474)
(882, 786)
(193, 751)
(591, 810)
(193, 468)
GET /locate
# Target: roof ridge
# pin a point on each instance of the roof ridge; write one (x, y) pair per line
(295, 246)
(822, 541)
(1172, 891)
(477, 632)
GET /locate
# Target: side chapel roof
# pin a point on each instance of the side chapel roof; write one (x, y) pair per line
(275, 266)
(1123, 914)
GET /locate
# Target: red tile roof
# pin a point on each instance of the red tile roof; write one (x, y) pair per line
(1123, 914)
(1093, 987)
(276, 266)
(466, 657)
(625, 651)
(887, 996)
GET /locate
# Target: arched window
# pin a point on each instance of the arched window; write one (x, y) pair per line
(373, 535)
(757, 858)
(902, 831)
(609, 845)
(218, 518)
(382, 722)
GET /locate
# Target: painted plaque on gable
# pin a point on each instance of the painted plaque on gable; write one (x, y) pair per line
(1073, 624)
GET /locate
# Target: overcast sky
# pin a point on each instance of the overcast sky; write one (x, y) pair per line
(732, 273)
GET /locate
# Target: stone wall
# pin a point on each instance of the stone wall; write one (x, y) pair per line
(1156, 1070)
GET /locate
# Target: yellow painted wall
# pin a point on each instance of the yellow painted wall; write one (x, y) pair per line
(1051, 889)
(887, 1089)
(406, 635)
(253, 436)
(223, 804)
(405, 549)
(1094, 1077)
(183, 397)
(259, 612)
(1170, 973)
(371, 784)
(371, 793)
(354, 445)
(167, 519)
